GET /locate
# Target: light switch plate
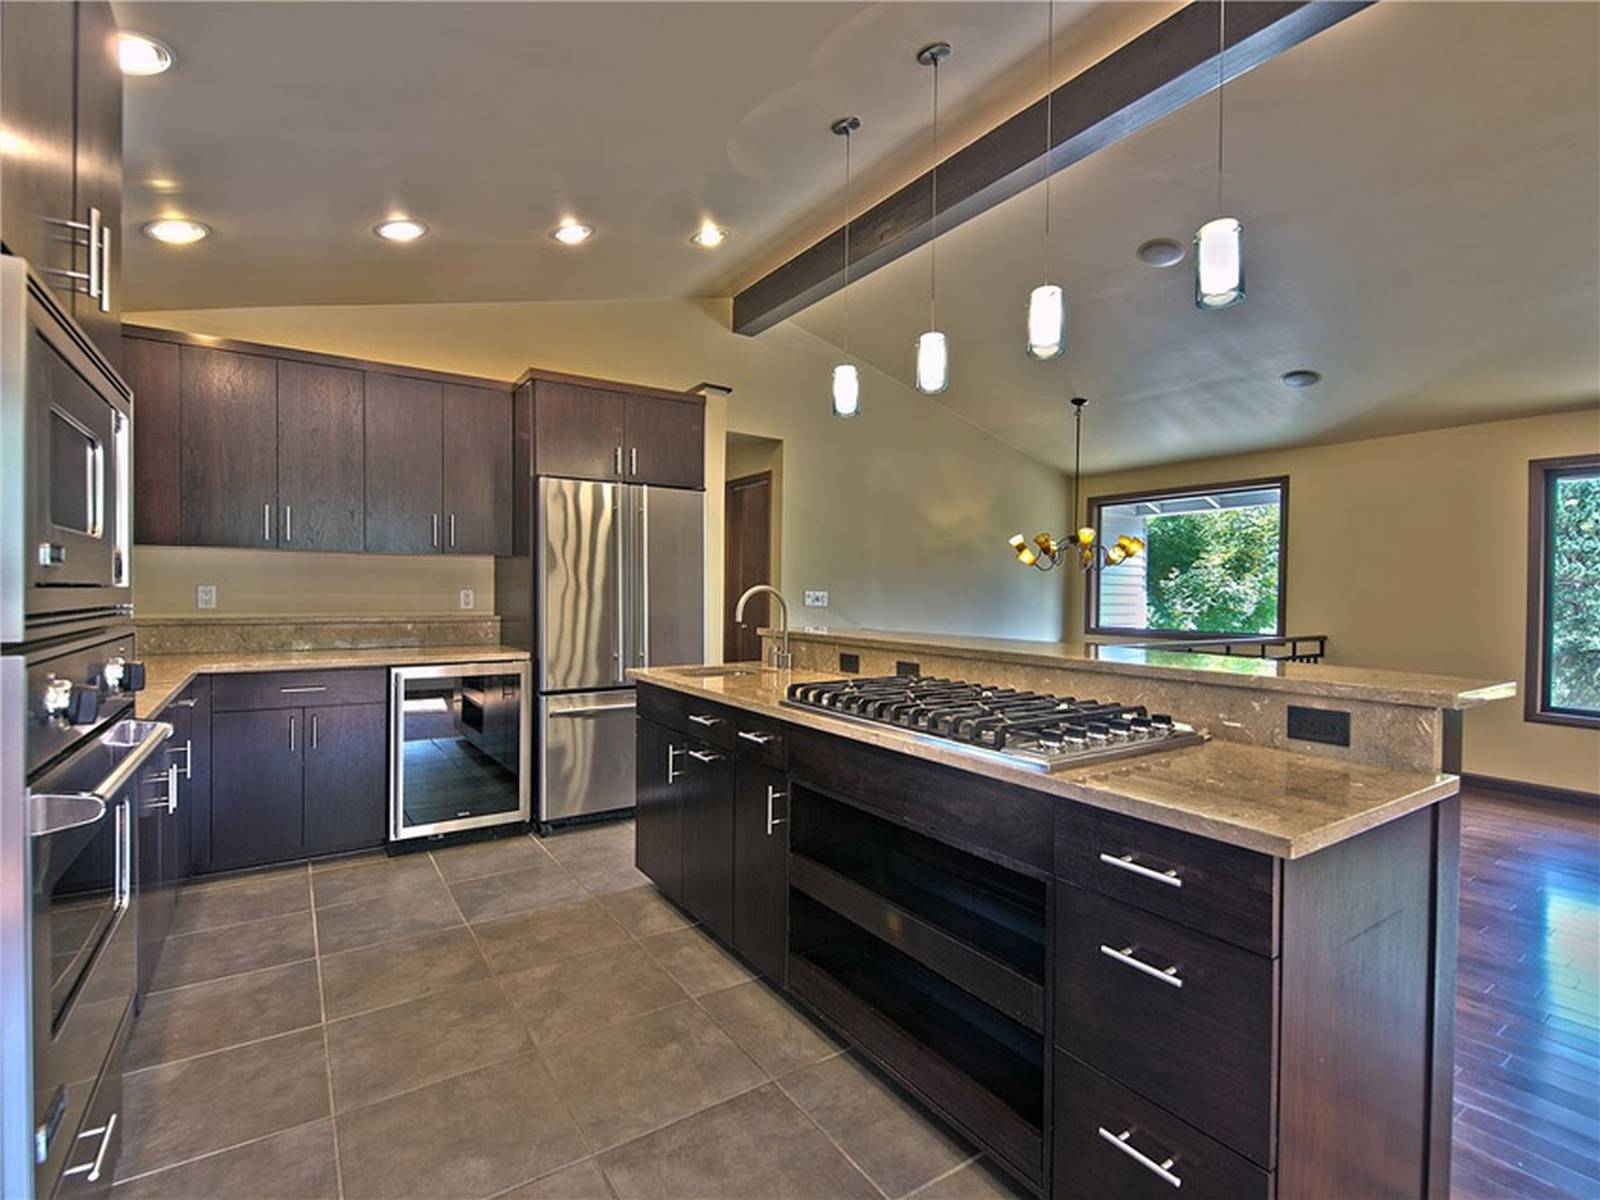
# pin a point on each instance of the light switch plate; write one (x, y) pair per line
(205, 595)
(467, 598)
(816, 599)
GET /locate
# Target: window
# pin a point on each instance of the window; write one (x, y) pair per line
(1563, 682)
(1213, 562)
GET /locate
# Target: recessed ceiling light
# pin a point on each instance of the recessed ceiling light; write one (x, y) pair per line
(140, 55)
(176, 231)
(571, 233)
(708, 235)
(400, 229)
(1301, 378)
(1161, 252)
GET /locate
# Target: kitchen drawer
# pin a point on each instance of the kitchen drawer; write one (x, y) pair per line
(760, 739)
(1092, 1112)
(710, 723)
(1191, 1025)
(297, 689)
(661, 705)
(1218, 889)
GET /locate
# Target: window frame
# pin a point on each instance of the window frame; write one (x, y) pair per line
(1091, 605)
(1541, 471)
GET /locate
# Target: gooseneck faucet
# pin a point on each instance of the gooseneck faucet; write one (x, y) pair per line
(780, 656)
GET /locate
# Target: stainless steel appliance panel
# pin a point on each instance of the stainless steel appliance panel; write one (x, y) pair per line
(16, 965)
(70, 694)
(581, 569)
(667, 600)
(586, 754)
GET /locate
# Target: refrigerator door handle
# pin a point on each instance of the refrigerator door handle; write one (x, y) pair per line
(642, 558)
(620, 541)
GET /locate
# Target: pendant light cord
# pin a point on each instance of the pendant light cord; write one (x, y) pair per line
(847, 133)
(1049, 113)
(1077, 462)
(1222, 55)
(933, 255)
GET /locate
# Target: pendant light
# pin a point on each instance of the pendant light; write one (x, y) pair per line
(1047, 303)
(1219, 243)
(933, 351)
(846, 379)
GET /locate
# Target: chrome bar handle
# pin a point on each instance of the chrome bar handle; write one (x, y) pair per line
(760, 739)
(291, 733)
(452, 531)
(1121, 1142)
(633, 460)
(616, 468)
(773, 821)
(705, 756)
(309, 687)
(703, 719)
(91, 1170)
(672, 752)
(643, 561)
(314, 730)
(1126, 863)
(288, 524)
(266, 522)
(172, 788)
(435, 531)
(96, 280)
(105, 268)
(1167, 975)
(187, 749)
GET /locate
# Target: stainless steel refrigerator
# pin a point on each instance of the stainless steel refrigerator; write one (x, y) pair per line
(619, 582)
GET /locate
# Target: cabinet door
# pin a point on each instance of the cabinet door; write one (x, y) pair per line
(37, 52)
(229, 448)
(99, 171)
(346, 781)
(405, 464)
(321, 505)
(761, 867)
(658, 818)
(708, 837)
(256, 803)
(155, 853)
(477, 470)
(194, 794)
(666, 442)
(151, 370)
(579, 431)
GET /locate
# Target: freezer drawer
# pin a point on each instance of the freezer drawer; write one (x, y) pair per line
(586, 754)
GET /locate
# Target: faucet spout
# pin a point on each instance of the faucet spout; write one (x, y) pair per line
(780, 656)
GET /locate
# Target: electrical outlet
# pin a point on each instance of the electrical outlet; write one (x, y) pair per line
(467, 598)
(816, 599)
(205, 595)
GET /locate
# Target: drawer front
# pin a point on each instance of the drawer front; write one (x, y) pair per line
(1176, 1015)
(710, 722)
(661, 705)
(1110, 1142)
(1216, 888)
(297, 689)
(762, 740)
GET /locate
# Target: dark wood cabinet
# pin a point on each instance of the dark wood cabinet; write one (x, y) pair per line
(159, 806)
(151, 369)
(346, 782)
(708, 837)
(321, 472)
(228, 484)
(666, 442)
(99, 171)
(579, 432)
(194, 798)
(477, 470)
(38, 47)
(658, 815)
(256, 810)
(405, 469)
(761, 867)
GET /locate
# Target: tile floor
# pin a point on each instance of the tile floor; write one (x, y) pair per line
(518, 1018)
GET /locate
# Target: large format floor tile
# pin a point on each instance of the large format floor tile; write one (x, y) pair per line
(225, 1012)
(977, 1180)
(214, 903)
(477, 859)
(234, 949)
(696, 961)
(581, 1181)
(297, 1164)
(377, 976)
(375, 880)
(540, 885)
(385, 918)
(567, 997)
(769, 1029)
(548, 935)
(642, 911)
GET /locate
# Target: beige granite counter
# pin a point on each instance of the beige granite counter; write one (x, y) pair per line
(1274, 801)
(166, 675)
(232, 633)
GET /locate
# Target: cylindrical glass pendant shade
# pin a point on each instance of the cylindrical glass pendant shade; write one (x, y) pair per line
(1219, 264)
(933, 363)
(1047, 322)
(846, 390)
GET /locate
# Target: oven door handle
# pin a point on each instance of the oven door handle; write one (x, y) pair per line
(57, 812)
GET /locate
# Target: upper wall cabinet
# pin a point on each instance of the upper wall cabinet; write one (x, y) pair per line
(61, 156)
(477, 470)
(586, 432)
(405, 467)
(228, 448)
(321, 501)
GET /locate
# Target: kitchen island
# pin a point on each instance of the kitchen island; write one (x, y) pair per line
(1227, 967)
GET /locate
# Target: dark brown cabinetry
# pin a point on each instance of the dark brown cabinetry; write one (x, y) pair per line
(666, 442)
(708, 837)
(477, 470)
(586, 431)
(345, 777)
(98, 163)
(405, 473)
(256, 807)
(658, 816)
(761, 867)
(228, 443)
(152, 370)
(321, 504)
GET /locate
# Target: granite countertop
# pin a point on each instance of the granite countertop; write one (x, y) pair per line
(1274, 801)
(1309, 679)
(166, 675)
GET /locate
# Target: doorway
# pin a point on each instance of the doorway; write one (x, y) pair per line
(752, 504)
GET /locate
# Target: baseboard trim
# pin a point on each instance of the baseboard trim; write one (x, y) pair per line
(1531, 791)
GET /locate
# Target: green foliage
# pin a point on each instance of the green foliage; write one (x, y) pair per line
(1574, 662)
(1214, 572)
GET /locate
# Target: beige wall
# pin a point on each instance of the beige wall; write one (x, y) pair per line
(901, 514)
(1411, 552)
(751, 456)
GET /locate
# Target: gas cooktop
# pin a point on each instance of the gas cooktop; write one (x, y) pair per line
(1028, 729)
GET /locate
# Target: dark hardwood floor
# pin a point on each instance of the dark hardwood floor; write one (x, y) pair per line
(1527, 1111)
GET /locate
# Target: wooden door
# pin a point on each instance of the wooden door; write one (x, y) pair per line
(321, 474)
(761, 867)
(229, 447)
(256, 810)
(151, 370)
(579, 432)
(37, 74)
(405, 465)
(477, 470)
(346, 777)
(99, 169)
(747, 537)
(658, 818)
(666, 442)
(708, 837)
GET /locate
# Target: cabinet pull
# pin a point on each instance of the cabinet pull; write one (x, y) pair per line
(303, 688)
(452, 531)
(633, 460)
(314, 730)
(672, 753)
(186, 702)
(188, 756)
(760, 739)
(172, 788)
(703, 719)
(91, 1170)
(772, 821)
(1168, 975)
(617, 462)
(266, 523)
(96, 279)
(704, 756)
(1121, 1142)
(435, 531)
(291, 734)
(1126, 863)
(105, 268)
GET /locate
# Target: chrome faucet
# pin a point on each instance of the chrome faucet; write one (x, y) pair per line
(780, 656)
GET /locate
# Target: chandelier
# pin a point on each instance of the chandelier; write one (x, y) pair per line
(1046, 552)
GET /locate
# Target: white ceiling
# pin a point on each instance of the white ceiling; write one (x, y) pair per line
(1420, 191)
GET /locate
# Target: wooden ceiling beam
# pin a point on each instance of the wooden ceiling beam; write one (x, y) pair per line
(1159, 71)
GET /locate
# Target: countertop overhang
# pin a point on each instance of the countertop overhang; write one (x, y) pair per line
(1273, 801)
